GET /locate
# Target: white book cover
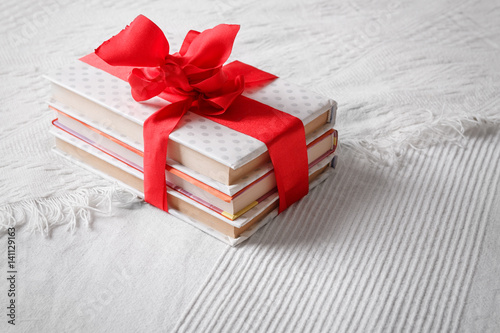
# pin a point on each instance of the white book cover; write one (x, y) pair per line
(224, 145)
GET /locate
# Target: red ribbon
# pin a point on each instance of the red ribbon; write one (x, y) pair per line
(195, 79)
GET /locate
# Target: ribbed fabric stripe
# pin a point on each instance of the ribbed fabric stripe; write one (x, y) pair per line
(471, 235)
(352, 251)
(385, 251)
(371, 249)
(448, 269)
(492, 187)
(428, 215)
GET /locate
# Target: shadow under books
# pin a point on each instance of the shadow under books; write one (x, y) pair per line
(327, 210)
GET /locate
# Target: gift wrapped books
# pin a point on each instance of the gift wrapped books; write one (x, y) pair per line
(217, 178)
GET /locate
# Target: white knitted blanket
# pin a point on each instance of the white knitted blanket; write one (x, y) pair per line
(404, 237)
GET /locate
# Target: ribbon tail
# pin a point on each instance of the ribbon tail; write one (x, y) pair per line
(141, 44)
(284, 136)
(288, 152)
(157, 129)
(121, 72)
(290, 168)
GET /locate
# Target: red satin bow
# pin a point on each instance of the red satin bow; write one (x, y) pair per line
(195, 79)
(195, 72)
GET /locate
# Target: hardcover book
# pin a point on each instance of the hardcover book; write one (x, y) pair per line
(180, 201)
(232, 200)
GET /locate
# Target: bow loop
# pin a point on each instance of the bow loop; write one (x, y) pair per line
(191, 35)
(140, 44)
(212, 47)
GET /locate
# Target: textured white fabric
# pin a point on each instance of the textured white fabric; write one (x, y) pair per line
(404, 237)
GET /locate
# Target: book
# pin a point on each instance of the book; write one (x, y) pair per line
(199, 144)
(230, 203)
(107, 166)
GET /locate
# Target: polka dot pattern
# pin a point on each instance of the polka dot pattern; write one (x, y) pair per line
(219, 143)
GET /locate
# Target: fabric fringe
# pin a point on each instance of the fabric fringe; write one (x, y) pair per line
(72, 209)
(385, 145)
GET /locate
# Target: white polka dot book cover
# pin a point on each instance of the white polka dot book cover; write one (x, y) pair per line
(217, 178)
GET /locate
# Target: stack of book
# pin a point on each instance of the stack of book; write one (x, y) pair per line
(218, 179)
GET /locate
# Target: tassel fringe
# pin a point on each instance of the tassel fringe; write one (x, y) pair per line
(71, 209)
(386, 144)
